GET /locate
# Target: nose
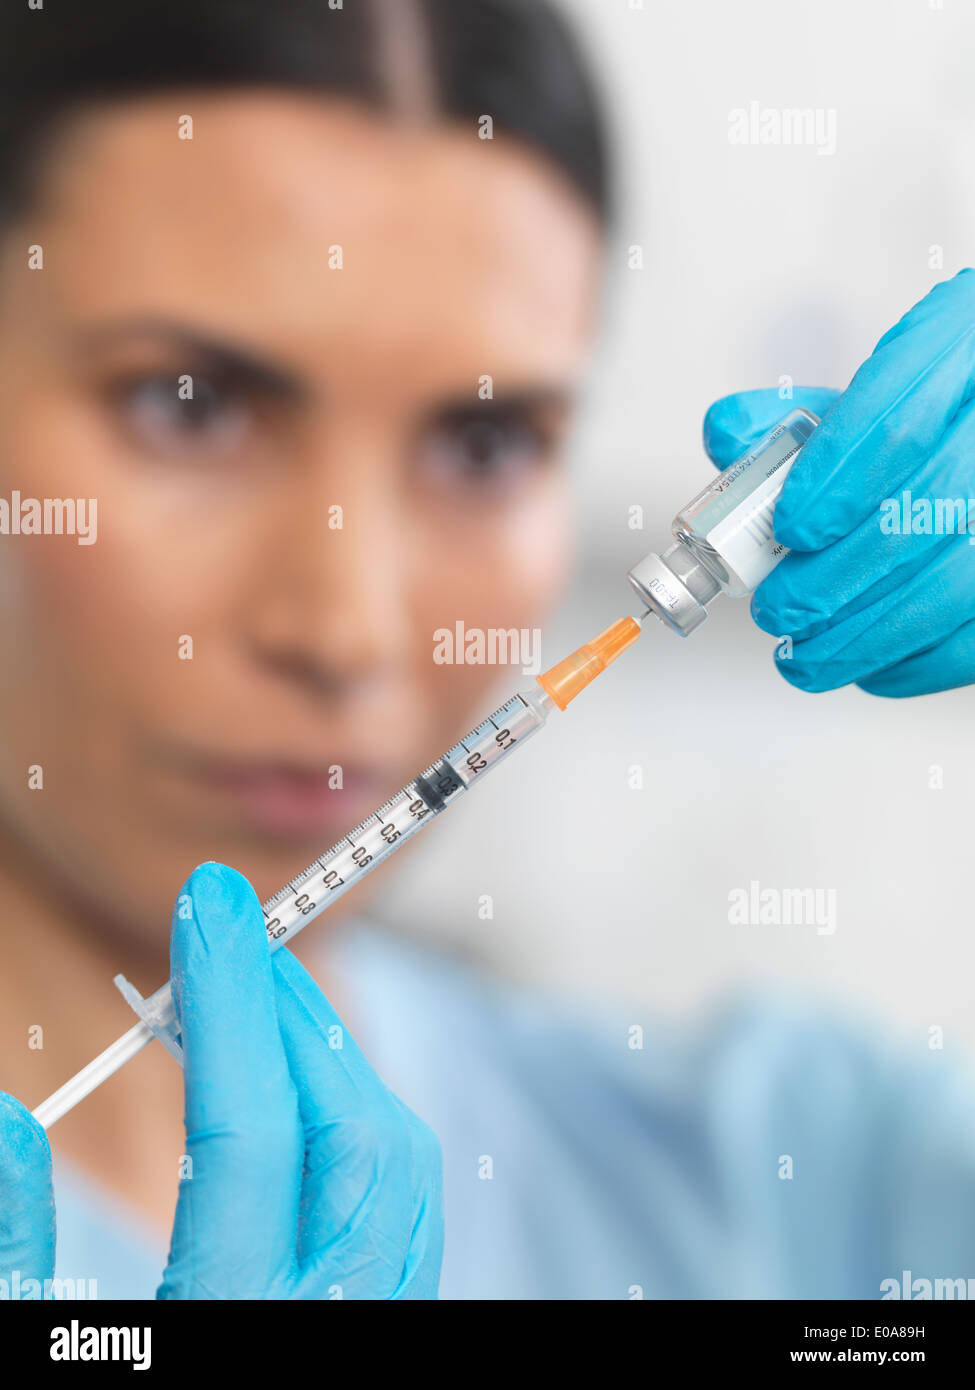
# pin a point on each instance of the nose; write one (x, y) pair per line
(330, 608)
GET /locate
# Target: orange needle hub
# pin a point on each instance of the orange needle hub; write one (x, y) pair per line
(564, 681)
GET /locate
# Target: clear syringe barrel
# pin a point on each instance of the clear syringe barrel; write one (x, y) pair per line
(383, 832)
(724, 537)
(404, 815)
(377, 837)
(327, 878)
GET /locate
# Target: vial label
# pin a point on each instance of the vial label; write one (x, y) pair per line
(729, 525)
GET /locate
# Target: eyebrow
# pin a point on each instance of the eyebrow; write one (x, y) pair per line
(229, 359)
(238, 363)
(510, 405)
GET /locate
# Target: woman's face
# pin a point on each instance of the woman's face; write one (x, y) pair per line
(337, 288)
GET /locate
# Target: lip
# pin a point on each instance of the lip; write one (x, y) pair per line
(288, 799)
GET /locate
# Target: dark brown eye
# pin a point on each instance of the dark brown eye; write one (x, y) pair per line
(483, 454)
(169, 414)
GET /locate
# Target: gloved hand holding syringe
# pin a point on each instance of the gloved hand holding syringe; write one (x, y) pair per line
(725, 543)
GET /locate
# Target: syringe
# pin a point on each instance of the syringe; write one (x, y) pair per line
(381, 834)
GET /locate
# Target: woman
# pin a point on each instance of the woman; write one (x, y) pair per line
(258, 265)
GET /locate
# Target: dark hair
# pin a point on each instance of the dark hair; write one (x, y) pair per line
(514, 60)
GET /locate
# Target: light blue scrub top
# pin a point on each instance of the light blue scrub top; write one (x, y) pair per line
(577, 1165)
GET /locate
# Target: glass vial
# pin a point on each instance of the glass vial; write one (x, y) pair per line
(725, 542)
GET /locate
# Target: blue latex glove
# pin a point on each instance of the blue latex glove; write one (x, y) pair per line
(306, 1177)
(26, 1204)
(310, 1179)
(892, 613)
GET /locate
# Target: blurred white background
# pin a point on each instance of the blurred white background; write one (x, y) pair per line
(760, 261)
